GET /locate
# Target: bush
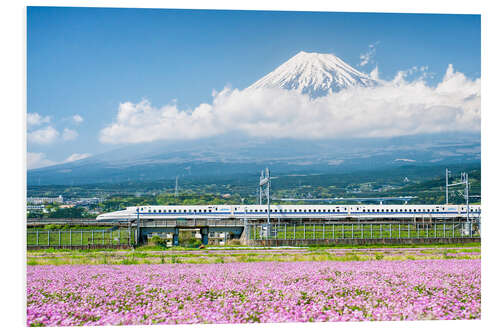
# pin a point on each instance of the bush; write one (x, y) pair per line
(191, 243)
(51, 227)
(158, 241)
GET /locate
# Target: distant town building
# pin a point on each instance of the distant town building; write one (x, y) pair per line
(84, 201)
(34, 208)
(45, 200)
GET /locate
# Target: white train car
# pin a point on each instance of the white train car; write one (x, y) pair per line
(348, 212)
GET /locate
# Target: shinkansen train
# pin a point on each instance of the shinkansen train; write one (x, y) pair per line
(351, 212)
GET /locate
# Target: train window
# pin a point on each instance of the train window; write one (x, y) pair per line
(209, 210)
(142, 209)
(204, 211)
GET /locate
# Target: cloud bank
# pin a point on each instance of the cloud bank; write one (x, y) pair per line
(43, 136)
(69, 134)
(39, 160)
(393, 108)
(34, 119)
(42, 132)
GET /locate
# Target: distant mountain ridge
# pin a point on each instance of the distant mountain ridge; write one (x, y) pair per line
(222, 156)
(314, 74)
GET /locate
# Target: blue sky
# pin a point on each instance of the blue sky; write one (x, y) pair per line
(86, 61)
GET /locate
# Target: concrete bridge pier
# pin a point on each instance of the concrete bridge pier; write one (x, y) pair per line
(244, 238)
(204, 235)
(175, 237)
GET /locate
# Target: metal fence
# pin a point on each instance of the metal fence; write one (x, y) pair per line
(318, 231)
(69, 238)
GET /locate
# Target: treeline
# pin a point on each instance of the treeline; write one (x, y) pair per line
(72, 212)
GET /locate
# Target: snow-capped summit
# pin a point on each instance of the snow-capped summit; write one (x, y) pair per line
(315, 74)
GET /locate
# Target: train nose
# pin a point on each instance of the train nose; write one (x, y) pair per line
(102, 217)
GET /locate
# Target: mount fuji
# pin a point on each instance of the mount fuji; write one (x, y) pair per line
(314, 74)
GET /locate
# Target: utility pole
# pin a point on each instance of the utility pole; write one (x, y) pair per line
(260, 187)
(176, 186)
(265, 180)
(245, 220)
(464, 180)
(447, 174)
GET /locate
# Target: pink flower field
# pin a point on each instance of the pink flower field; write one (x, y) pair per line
(253, 292)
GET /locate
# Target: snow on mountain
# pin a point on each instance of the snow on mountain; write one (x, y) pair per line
(315, 74)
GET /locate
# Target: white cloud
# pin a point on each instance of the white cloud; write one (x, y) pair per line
(37, 160)
(34, 119)
(397, 107)
(69, 134)
(76, 157)
(44, 135)
(368, 56)
(77, 118)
